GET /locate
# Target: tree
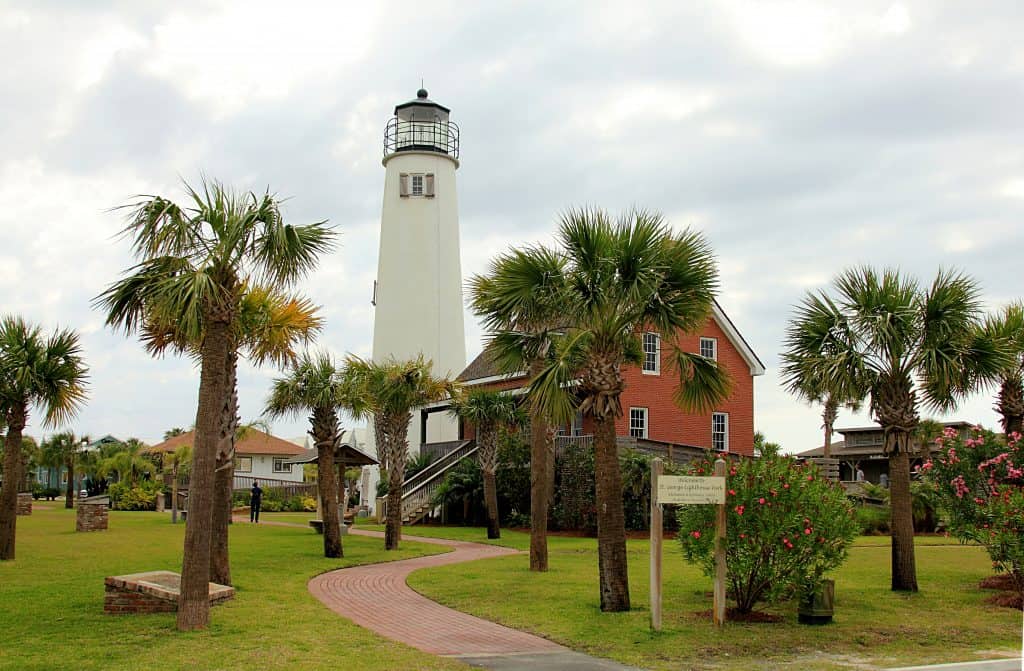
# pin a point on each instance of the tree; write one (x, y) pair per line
(519, 302)
(620, 278)
(804, 378)
(171, 433)
(1008, 327)
(490, 412)
(41, 372)
(194, 265)
(389, 390)
(268, 328)
(178, 462)
(62, 450)
(128, 463)
(886, 333)
(765, 448)
(314, 384)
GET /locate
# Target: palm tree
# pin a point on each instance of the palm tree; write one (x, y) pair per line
(314, 384)
(388, 391)
(268, 328)
(62, 450)
(490, 412)
(194, 266)
(128, 463)
(804, 378)
(39, 372)
(171, 433)
(622, 277)
(178, 462)
(883, 332)
(1008, 326)
(520, 296)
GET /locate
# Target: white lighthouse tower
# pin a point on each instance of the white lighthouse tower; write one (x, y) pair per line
(418, 292)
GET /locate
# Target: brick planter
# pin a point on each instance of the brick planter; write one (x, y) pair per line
(24, 504)
(152, 592)
(91, 516)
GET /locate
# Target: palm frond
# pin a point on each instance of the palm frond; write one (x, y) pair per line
(703, 384)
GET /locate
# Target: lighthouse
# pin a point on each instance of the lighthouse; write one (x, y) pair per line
(418, 291)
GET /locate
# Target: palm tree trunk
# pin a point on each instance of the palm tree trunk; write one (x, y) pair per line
(828, 417)
(611, 522)
(904, 571)
(16, 419)
(329, 496)
(538, 490)
(69, 494)
(194, 602)
(220, 562)
(224, 479)
(491, 498)
(396, 431)
(1010, 404)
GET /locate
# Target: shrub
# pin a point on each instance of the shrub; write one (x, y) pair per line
(308, 503)
(873, 520)
(786, 528)
(980, 482)
(140, 497)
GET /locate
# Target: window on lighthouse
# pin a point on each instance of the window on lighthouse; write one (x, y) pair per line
(417, 185)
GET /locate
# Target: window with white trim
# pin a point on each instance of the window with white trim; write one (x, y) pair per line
(280, 466)
(709, 348)
(243, 464)
(638, 422)
(417, 185)
(652, 354)
(720, 431)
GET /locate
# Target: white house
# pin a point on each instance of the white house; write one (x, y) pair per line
(259, 456)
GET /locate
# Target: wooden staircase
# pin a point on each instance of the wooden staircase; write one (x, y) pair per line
(418, 490)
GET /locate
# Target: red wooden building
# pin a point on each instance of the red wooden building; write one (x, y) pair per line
(650, 417)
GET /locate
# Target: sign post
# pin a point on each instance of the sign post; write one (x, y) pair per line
(687, 490)
(719, 603)
(657, 468)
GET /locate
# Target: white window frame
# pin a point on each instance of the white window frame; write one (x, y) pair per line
(279, 466)
(635, 429)
(657, 354)
(413, 178)
(238, 464)
(713, 342)
(724, 417)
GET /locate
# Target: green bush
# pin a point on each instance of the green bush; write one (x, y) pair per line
(980, 483)
(873, 520)
(787, 526)
(123, 497)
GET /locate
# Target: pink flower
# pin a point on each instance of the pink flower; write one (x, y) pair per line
(739, 510)
(695, 534)
(743, 535)
(732, 492)
(807, 532)
(761, 500)
(809, 478)
(785, 486)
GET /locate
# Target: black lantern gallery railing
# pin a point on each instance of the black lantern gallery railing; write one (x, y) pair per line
(413, 135)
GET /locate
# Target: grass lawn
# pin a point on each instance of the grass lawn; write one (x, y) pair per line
(51, 601)
(946, 621)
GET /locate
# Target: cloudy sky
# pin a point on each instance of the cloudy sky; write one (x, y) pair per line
(799, 137)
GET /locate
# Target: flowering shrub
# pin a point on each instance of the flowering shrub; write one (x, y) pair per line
(980, 480)
(785, 528)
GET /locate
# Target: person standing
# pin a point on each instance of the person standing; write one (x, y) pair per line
(255, 500)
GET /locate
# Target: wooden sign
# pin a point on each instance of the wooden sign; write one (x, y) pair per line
(690, 490)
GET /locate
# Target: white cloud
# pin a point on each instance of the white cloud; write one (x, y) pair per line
(896, 20)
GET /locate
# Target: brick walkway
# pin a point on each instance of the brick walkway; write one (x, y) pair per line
(376, 597)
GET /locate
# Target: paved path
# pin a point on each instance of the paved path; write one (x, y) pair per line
(377, 597)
